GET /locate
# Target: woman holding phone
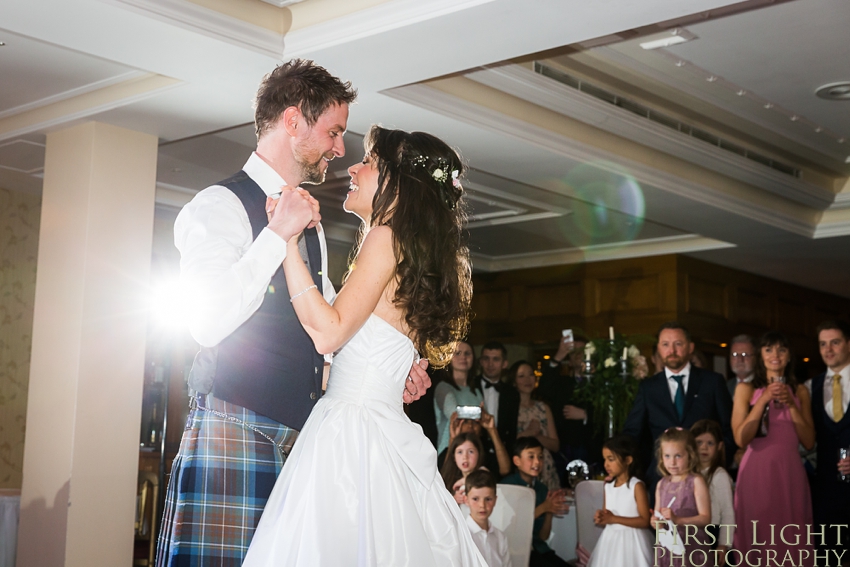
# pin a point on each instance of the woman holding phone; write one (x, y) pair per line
(458, 386)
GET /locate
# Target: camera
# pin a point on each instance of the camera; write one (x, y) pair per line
(468, 412)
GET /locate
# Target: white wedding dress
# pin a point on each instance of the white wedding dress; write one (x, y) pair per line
(361, 485)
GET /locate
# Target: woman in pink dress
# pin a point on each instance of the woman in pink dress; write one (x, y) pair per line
(772, 415)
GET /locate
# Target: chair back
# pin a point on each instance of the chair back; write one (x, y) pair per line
(590, 497)
(514, 515)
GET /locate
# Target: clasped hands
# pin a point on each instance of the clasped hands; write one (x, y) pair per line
(556, 502)
(292, 212)
(779, 392)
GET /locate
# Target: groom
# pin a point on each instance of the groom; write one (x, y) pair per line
(258, 372)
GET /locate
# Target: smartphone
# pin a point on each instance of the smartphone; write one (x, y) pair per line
(568, 335)
(468, 412)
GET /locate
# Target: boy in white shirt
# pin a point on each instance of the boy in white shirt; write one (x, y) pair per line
(481, 498)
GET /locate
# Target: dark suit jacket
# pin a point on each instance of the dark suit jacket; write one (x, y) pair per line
(508, 414)
(577, 439)
(831, 497)
(653, 411)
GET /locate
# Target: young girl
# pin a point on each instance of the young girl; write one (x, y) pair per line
(681, 496)
(709, 439)
(625, 541)
(464, 457)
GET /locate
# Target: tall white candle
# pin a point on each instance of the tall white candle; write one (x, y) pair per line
(587, 354)
(611, 333)
(625, 353)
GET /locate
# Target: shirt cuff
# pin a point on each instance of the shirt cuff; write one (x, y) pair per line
(269, 249)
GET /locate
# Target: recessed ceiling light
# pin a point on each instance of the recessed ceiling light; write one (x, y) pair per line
(2, 43)
(675, 37)
(834, 91)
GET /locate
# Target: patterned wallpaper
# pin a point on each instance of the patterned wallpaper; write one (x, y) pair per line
(19, 220)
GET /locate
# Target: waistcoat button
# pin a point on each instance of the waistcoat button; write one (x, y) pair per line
(312, 395)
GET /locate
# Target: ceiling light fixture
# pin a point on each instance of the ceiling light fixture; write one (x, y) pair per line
(677, 36)
(2, 43)
(834, 91)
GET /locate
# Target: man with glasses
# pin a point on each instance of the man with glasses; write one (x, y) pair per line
(742, 352)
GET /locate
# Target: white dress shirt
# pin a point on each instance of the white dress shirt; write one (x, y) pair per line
(845, 391)
(673, 385)
(492, 543)
(491, 399)
(224, 272)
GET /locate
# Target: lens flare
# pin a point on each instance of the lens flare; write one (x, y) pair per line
(608, 204)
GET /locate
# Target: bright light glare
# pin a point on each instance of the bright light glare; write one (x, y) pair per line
(168, 307)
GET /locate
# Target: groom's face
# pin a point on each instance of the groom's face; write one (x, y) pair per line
(316, 145)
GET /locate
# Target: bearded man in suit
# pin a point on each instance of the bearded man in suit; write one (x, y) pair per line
(678, 396)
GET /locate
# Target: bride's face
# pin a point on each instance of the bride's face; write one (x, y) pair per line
(364, 184)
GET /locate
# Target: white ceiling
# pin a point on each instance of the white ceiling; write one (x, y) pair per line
(557, 176)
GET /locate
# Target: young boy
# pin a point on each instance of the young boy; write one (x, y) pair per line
(528, 459)
(481, 498)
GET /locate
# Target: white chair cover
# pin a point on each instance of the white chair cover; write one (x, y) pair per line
(10, 507)
(590, 497)
(514, 515)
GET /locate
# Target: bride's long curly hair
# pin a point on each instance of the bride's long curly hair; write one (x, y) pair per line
(420, 198)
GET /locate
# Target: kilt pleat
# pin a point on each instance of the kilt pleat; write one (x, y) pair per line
(220, 481)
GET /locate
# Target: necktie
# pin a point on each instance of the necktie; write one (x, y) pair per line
(679, 401)
(487, 384)
(837, 398)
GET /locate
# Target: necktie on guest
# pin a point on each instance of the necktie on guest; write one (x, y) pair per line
(679, 400)
(487, 384)
(837, 398)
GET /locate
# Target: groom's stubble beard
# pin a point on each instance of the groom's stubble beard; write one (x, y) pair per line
(310, 167)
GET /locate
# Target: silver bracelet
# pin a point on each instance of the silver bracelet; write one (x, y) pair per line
(314, 286)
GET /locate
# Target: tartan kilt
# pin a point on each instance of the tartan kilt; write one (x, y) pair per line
(220, 481)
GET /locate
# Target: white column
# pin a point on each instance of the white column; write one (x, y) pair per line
(88, 347)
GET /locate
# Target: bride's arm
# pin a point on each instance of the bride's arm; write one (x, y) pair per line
(330, 326)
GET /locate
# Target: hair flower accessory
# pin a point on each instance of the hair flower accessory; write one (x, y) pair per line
(440, 175)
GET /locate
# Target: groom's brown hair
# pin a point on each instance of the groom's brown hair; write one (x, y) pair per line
(302, 84)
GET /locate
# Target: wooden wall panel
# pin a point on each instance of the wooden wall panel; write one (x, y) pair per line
(705, 297)
(492, 305)
(754, 308)
(637, 295)
(629, 294)
(545, 301)
(791, 316)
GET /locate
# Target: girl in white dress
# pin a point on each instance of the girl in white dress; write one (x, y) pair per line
(361, 486)
(626, 540)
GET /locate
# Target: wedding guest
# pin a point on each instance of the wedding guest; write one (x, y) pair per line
(682, 495)
(742, 361)
(457, 387)
(495, 456)
(625, 513)
(679, 396)
(709, 439)
(500, 399)
(535, 420)
(528, 459)
(481, 499)
(771, 417)
(831, 415)
(464, 456)
(557, 388)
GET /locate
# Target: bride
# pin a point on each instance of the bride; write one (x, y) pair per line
(361, 486)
